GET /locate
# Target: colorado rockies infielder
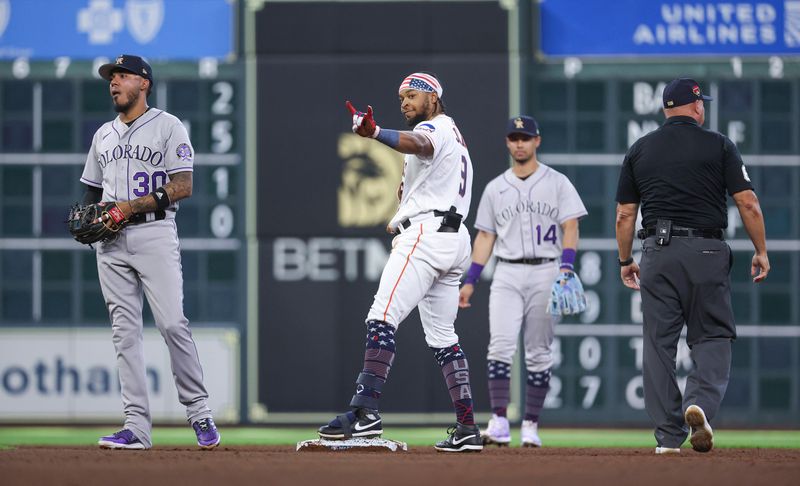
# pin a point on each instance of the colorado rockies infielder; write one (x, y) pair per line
(529, 214)
(428, 257)
(143, 159)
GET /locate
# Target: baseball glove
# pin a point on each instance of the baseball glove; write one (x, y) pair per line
(96, 222)
(566, 296)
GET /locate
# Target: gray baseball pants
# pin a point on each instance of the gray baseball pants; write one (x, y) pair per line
(145, 260)
(685, 282)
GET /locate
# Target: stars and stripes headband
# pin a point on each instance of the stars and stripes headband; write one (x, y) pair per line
(421, 82)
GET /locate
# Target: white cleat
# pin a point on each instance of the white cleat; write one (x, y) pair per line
(497, 432)
(668, 450)
(529, 434)
(702, 437)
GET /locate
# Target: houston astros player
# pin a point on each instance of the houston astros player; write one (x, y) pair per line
(528, 216)
(428, 257)
(143, 160)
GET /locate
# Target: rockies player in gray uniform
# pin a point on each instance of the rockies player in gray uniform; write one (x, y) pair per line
(528, 216)
(143, 160)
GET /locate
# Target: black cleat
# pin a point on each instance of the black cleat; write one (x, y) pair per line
(362, 423)
(461, 438)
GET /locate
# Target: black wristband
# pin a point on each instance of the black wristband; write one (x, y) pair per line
(625, 263)
(162, 198)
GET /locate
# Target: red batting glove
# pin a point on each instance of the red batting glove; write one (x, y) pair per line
(363, 123)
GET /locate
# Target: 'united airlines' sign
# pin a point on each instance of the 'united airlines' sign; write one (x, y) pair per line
(660, 27)
(156, 29)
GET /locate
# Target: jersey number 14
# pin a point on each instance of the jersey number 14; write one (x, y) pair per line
(550, 234)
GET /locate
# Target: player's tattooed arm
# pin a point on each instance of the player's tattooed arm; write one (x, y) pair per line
(179, 187)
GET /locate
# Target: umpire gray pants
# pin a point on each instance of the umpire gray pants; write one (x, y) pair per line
(687, 282)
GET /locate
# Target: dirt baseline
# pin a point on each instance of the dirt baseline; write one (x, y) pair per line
(231, 466)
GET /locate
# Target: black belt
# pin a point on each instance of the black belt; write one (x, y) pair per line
(451, 221)
(527, 261)
(713, 233)
(407, 222)
(142, 217)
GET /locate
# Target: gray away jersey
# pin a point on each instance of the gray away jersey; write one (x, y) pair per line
(131, 162)
(527, 215)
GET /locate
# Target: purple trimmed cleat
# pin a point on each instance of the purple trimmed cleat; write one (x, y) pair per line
(124, 439)
(207, 435)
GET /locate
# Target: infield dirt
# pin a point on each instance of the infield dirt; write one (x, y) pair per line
(230, 466)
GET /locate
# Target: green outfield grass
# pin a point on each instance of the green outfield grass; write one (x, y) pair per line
(240, 436)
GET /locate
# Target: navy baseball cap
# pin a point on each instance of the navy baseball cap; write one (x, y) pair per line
(127, 62)
(525, 125)
(682, 91)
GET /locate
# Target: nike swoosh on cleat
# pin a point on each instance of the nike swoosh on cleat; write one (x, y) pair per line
(458, 441)
(359, 428)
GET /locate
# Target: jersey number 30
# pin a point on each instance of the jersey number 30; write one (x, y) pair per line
(550, 235)
(148, 183)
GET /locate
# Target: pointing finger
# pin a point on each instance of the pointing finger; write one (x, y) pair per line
(350, 107)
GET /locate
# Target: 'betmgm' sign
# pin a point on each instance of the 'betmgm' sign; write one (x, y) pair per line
(586, 27)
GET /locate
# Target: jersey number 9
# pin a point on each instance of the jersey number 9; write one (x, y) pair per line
(462, 188)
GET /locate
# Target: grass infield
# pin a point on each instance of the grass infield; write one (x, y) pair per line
(11, 436)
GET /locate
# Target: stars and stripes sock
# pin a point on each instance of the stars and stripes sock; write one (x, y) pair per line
(456, 374)
(536, 391)
(378, 358)
(499, 374)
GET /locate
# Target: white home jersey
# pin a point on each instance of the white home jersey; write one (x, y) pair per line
(441, 181)
(526, 215)
(131, 162)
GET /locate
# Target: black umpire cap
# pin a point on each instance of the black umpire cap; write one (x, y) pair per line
(682, 91)
(525, 125)
(127, 62)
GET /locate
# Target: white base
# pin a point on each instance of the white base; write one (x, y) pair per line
(354, 444)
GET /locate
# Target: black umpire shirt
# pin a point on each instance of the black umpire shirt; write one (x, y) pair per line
(681, 172)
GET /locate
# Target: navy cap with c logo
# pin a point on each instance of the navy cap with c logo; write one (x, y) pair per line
(682, 91)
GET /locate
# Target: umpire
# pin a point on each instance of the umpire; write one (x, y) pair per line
(679, 174)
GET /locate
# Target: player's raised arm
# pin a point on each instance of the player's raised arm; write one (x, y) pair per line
(405, 142)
